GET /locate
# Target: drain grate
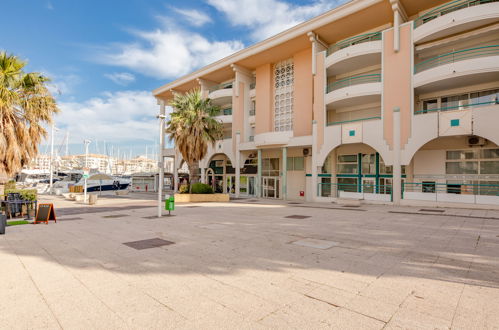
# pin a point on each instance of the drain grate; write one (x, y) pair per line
(112, 216)
(148, 243)
(69, 219)
(297, 216)
(431, 210)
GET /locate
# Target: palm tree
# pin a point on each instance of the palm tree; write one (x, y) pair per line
(26, 105)
(192, 127)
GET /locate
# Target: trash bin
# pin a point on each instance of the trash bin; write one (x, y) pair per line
(92, 199)
(3, 223)
(170, 203)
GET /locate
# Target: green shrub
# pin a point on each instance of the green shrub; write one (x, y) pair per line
(183, 189)
(201, 188)
(11, 185)
(26, 194)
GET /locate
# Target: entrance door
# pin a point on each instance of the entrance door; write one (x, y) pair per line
(270, 187)
(247, 185)
(230, 184)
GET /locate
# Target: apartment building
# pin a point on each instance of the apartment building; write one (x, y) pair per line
(393, 101)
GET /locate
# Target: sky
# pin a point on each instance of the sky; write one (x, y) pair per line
(104, 57)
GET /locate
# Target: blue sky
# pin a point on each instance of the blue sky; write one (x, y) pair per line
(105, 57)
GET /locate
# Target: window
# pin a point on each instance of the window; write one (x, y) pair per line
(454, 102)
(347, 164)
(429, 186)
(296, 164)
(270, 167)
(485, 97)
(462, 154)
(283, 96)
(461, 167)
(369, 164)
(430, 105)
(490, 153)
(347, 184)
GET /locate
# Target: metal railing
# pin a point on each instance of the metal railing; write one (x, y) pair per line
(456, 56)
(458, 107)
(451, 192)
(351, 121)
(447, 9)
(252, 112)
(221, 86)
(335, 190)
(251, 138)
(354, 41)
(355, 80)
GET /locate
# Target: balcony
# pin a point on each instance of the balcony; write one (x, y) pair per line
(455, 17)
(225, 115)
(221, 94)
(354, 91)
(360, 51)
(477, 65)
(273, 138)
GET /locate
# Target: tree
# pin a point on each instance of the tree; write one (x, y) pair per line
(192, 127)
(26, 105)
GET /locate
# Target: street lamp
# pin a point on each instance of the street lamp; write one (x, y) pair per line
(85, 170)
(161, 170)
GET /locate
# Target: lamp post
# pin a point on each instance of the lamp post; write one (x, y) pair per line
(161, 170)
(85, 168)
(51, 166)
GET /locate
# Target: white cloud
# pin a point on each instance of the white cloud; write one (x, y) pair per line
(194, 17)
(61, 84)
(113, 117)
(266, 18)
(169, 52)
(121, 78)
(49, 6)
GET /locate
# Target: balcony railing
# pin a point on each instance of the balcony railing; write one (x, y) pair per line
(458, 107)
(354, 41)
(251, 138)
(456, 56)
(252, 112)
(447, 9)
(225, 112)
(351, 81)
(451, 188)
(221, 86)
(351, 121)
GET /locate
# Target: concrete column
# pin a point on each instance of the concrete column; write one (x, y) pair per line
(397, 169)
(312, 195)
(258, 184)
(237, 166)
(175, 175)
(284, 173)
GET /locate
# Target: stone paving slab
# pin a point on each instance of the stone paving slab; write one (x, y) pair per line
(232, 266)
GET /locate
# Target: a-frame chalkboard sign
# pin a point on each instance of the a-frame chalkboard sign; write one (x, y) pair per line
(45, 213)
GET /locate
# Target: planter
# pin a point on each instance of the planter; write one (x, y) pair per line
(195, 198)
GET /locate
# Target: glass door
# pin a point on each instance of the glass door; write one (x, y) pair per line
(230, 184)
(368, 185)
(270, 187)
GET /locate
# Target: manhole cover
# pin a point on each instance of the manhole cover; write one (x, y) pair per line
(114, 216)
(296, 216)
(148, 243)
(315, 243)
(431, 210)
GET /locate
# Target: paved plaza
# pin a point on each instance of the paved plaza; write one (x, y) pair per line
(252, 265)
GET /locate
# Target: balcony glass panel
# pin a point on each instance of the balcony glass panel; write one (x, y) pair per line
(354, 41)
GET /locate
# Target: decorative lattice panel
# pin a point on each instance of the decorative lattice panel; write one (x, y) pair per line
(283, 97)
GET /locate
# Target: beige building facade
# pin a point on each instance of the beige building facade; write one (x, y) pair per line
(392, 101)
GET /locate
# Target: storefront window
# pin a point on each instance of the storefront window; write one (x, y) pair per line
(296, 164)
(369, 164)
(347, 184)
(461, 168)
(270, 167)
(347, 164)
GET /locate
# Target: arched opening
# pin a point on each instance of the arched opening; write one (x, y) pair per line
(461, 169)
(356, 171)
